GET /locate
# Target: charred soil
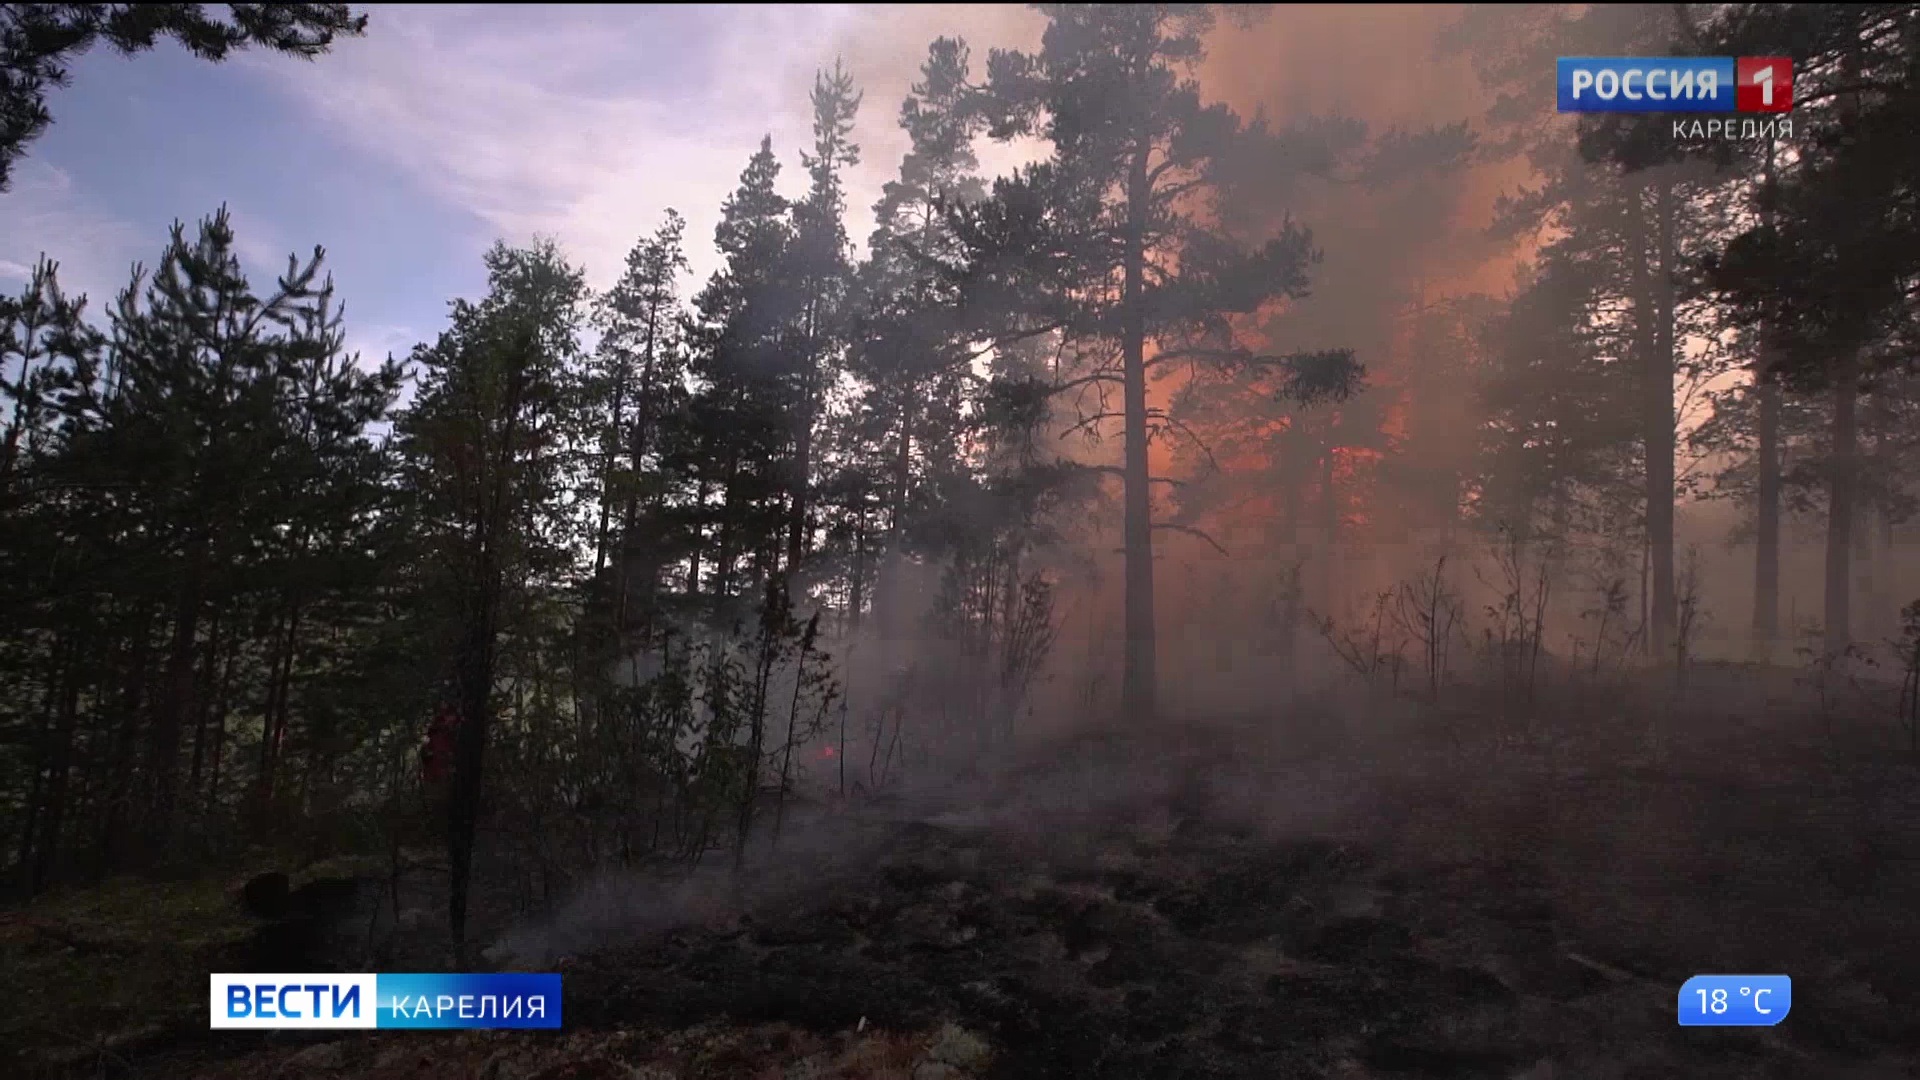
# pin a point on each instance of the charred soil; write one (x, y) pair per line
(1515, 914)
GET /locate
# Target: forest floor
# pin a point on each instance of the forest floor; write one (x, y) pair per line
(1417, 903)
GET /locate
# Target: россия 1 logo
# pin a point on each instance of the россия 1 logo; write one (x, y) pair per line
(1700, 84)
(1765, 84)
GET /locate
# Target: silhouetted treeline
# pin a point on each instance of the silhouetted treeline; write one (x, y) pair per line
(629, 538)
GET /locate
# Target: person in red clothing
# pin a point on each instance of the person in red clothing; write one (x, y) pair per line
(436, 757)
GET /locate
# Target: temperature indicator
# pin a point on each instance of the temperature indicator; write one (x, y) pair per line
(1735, 1000)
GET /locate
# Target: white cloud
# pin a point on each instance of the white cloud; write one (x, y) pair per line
(375, 343)
(587, 123)
(43, 213)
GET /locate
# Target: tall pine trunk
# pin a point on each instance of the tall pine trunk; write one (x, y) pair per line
(1138, 679)
(121, 752)
(46, 857)
(1327, 532)
(175, 702)
(1653, 329)
(857, 587)
(1842, 479)
(602, 532)
(798, 538)
(1861, 611)
(730, 508)
(474, 665)
(1766, 565)
(52, 691)
(639, 555)
(1843, 455)
(275, 713)
(475, 692)
(203, 711)
(1660, 411)
(888, 582)
(217, 752)
(699, 534)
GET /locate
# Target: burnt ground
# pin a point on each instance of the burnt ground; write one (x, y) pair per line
(1465, 911)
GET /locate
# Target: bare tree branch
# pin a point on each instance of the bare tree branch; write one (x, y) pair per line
(1193, 436)
(1089, 421)
(1115, 470)
(1189, 530)
(1098, 376)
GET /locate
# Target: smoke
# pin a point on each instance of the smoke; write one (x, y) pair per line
(618, 905)
(1396, 250)
(1385, 68)
(1055, 801)
(1388, 248)
(1254, 651)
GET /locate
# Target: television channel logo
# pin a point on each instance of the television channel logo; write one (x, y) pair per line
(1675, 84)
(511, 1000)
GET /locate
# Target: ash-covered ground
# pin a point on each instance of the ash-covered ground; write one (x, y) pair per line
(1212, 915)
(1207, 906)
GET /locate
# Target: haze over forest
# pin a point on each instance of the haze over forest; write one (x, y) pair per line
(706, 403)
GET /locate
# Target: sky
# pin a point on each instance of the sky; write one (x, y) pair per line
(408, 152)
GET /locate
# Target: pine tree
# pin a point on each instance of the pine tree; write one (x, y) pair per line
(1630, 218)
(736, 438)
(203, 473)
(205, 417)
(1109, 241)
(1559, 446)
(820, 271)
(486, 450)
(638, 381)
(908, 351)
(1824, 275)
(52, 353)
(54, 357)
